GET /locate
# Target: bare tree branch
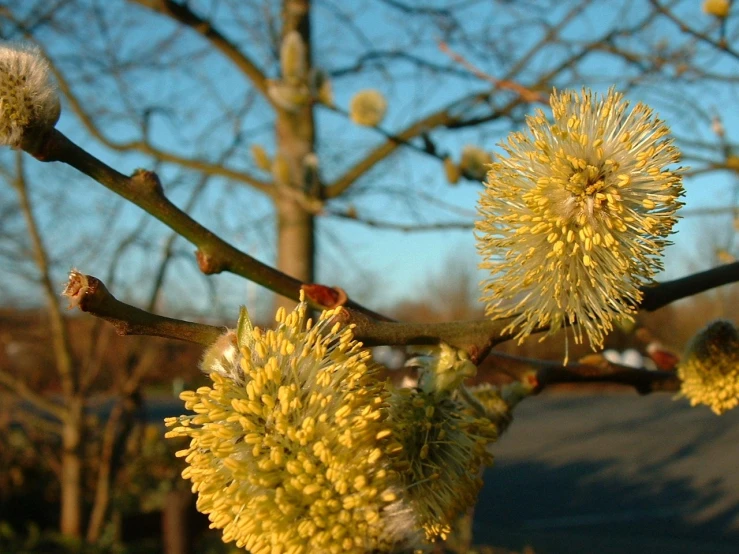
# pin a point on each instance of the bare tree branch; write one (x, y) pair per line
(404, 227)
(90, 295)
(145, 147)
(18, 387)
(144, 189)
(182, 13)
(665, 293)
(593, 369)
(477, 338)
(685, 28)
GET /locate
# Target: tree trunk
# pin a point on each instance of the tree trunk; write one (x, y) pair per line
(295, 243)
(295, 133)
(174, 522)
(71, 472)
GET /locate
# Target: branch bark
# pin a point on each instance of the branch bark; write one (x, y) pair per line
(90, 295)
(144, 189)
(593, 369)
(477, 338)
(661, 294)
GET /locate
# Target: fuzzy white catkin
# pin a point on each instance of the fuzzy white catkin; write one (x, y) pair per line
(29, 102)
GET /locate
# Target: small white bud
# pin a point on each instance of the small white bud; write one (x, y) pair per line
(29, 103)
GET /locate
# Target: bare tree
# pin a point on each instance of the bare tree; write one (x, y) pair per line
(221, 60)
(233, 64)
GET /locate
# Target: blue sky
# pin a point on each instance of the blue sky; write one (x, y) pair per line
(379, 267)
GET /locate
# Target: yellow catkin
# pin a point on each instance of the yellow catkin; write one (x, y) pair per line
(574, 217)
(709, 371)
(367, 107)
(29, 102)
(289, 447)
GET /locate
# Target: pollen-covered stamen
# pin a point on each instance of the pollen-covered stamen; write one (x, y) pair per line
(290, 447)
(575, 216)
(709, 371)
(443, 451)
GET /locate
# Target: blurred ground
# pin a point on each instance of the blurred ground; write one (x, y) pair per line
(613, 473)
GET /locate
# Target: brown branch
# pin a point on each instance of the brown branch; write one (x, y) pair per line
(526, 94)
(181, 13)
(104, 479)
(36, 422)
(90, 295)
(144, 147)
(214, 255)
(643, 381)
(406, 228)
(699, 212)
(684, 27)
(438, 119)
(594, 369)
(19, 388)
(667, 292)
(442, 118)
(477, 338)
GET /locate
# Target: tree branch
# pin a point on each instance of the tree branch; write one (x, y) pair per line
(665, 293)
(144, 189)
(68, 373)
(21, 389)
(685, 28)
(90, 295)
(404, 227)
(594, 369)
(442, 118)
(144, 147)
(477, 338)
(181, 13)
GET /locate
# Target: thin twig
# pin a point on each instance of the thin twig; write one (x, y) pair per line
(144, 189)
(526, 94)
(68, 373)
(594, 369)
(661, 294)
(19, 388)
(721, 45)
(90, 295)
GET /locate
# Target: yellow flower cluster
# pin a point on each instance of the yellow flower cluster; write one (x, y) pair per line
(496, 403)
(298, 446)
(367, 107)
(709, 371)
(444, 449)
(474, 162)
(289, 448)
(575, 217)
(717, 8)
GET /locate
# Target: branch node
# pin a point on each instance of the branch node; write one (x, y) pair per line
(328, 297)
(78, 287)
(147, 181)
(208, 263)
